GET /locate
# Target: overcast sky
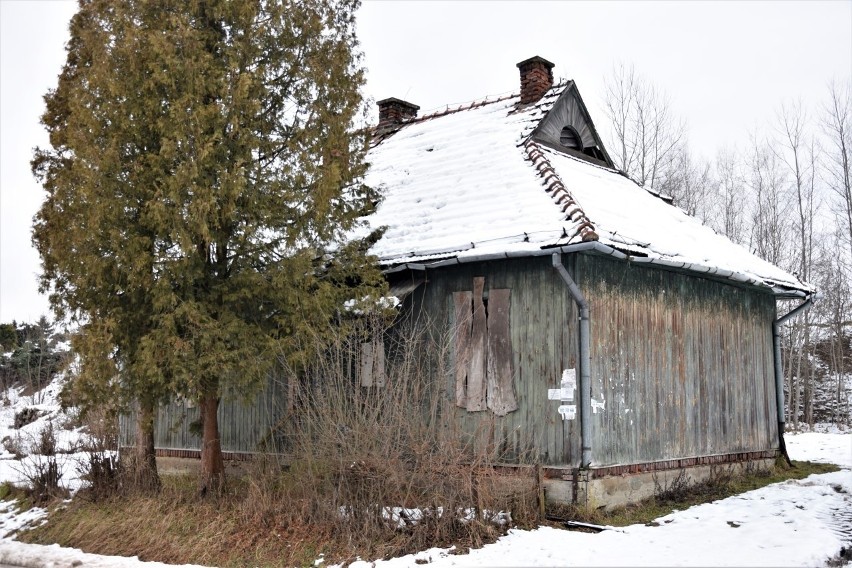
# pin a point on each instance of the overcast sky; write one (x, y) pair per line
(727, 66)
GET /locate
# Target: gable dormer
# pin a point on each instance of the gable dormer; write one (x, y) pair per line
(567, 127)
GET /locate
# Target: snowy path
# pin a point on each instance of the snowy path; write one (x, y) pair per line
(795, 523)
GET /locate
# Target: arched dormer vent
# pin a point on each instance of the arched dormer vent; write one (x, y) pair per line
(570, 138)
(567, 126)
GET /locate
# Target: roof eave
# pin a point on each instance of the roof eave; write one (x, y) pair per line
(779, 290)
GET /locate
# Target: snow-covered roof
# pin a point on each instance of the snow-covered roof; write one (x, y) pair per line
(472, 183)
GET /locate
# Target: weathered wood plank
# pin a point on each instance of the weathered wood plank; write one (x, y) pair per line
(379, 369)
(463, 315)
(367, 364)
(500, 395)
(478, 350)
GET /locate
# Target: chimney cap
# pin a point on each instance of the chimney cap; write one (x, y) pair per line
(536, 59)
(394, 100)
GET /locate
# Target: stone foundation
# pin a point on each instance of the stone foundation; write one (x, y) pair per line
(594, 490)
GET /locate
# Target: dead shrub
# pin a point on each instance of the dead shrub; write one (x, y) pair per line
(27, 416)
(104, 473)
(43, 475)
(675, 490)
(46, 445)
(101, 425)
(14, 445)
(721, 477)
(378, 466)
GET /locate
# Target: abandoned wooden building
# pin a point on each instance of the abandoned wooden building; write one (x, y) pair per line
(605, 333)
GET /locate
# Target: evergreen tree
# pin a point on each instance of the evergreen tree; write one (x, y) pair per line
(33, 357)
(8, 337)
(203, 179)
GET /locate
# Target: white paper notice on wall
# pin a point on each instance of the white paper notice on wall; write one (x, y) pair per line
(569, 384)
(554, 394)
(598, 406)
(568, 411)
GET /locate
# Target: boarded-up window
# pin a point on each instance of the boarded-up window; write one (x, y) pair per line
(373, 364)
(483, 350)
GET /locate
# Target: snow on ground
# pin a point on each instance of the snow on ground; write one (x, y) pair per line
(786, 524)
(28, 439)
(832, 447)
(12, 519)
(53, 556)
(46, 404)
(795, 523)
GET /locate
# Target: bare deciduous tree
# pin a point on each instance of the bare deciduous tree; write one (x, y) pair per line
(770, 227)
(837, 127)
(796, 151)
(689, 183)
(729, 218)
(647, 134)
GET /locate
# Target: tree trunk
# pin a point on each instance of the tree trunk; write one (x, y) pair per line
(796, 380)
(212, 464)
(808, 395)
(145, 476)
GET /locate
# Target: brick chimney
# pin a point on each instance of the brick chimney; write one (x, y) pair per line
(536, 78)
(395, 111)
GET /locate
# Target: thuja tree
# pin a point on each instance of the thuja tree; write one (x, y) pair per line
(203, 185)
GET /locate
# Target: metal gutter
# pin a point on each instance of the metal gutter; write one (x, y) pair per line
(600, 248)
(585, 385)
(779, 371)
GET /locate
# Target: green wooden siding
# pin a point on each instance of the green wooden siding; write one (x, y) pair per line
(684, 364)
(681, 364)
(243, 425)
(544, 345)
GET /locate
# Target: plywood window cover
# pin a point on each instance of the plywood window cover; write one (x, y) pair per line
(373, 363)
(483, 368)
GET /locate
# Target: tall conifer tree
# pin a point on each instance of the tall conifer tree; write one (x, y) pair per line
(202, 179)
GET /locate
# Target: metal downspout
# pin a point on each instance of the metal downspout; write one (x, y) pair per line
(779, 371)
(585, 385)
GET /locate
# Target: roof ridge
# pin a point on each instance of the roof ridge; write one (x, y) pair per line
(559, 193)
(462, 107)
(476, 103)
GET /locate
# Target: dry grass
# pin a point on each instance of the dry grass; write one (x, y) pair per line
(177, 526)
(340, 467)
(243, 528)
